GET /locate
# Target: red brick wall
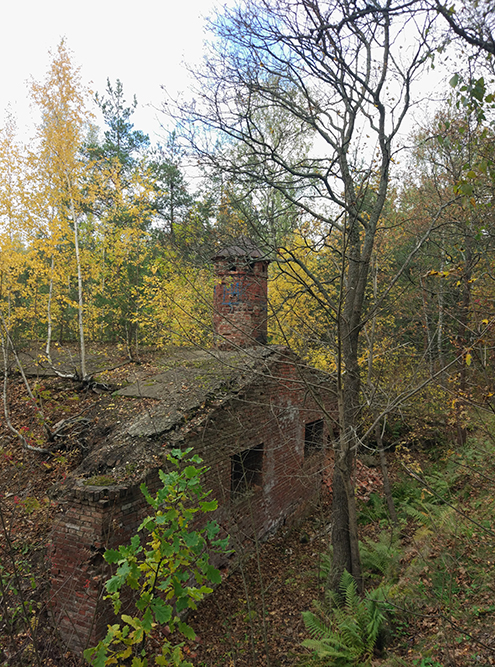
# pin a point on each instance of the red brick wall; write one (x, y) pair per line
(272, 412)
(92, 520)
(240, 304)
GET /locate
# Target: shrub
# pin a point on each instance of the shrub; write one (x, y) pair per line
(170, 573)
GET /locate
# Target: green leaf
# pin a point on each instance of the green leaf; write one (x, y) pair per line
(182, 603)
(145, 492)
(147, 620)
(454, 80)
(199, 593)
(186, 630)
(171, 514)
(112, 556)
(144, 601)
(134, 622)
(162, 611)
(212, 529)
(191, 539)
(210, 506)
(466, 189)
(479, 89)
(145, 523)
(136, 544)
(96, 656)
(138, 636)
(213, 574)
(114, 584)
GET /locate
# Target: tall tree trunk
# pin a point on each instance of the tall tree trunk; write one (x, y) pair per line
(49, 312)
(463, 337)
(441, 314)
(429, 337)
(344, 527)
(80, 302)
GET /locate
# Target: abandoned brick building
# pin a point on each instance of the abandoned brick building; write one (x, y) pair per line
(255, 414)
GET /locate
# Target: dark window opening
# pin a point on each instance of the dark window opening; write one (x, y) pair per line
(313, 437)
(232, 267)
(246, 470)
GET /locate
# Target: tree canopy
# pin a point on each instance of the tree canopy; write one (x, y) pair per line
(382, 271)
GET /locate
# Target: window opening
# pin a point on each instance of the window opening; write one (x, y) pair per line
(246, 471)
(313, 437)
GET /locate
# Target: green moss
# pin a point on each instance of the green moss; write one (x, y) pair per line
(100, 480)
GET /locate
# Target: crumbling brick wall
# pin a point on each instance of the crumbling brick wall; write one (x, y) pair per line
(91, 520)
(240, 303)
(269, 415)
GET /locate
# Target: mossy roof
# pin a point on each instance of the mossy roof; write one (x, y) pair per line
(191, 384)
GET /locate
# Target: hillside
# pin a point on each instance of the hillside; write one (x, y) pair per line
(438, 567)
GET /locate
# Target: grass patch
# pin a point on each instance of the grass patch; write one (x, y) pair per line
(447, 557)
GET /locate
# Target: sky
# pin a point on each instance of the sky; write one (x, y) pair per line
(144, 44)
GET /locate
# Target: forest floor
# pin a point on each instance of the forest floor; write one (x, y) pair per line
(444, 580)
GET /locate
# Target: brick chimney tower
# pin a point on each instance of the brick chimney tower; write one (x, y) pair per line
(240, 299)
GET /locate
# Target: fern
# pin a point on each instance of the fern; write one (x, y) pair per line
(373, 510)
(425, 513)
(380, 557)
(348, 633)
(316, 626)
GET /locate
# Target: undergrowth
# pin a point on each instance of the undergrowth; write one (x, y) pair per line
(346, 629)
(437, 568)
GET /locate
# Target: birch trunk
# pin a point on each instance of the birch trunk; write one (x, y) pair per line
(49, 314)
(80, 302)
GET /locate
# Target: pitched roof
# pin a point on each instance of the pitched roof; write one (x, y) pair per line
(192, 380)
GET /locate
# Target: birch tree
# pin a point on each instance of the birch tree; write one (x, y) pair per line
(11, 219)
(60, 170)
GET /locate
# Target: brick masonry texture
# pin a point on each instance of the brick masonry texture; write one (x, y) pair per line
(240, 411)
(240, 303)
(270, 411)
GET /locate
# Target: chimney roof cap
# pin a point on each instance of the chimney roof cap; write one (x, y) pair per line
(242, 247)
